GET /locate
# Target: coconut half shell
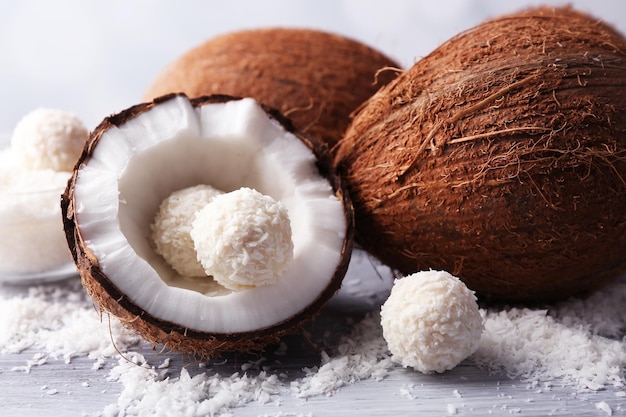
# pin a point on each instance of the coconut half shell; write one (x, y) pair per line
(317, 79)
(500, 157)
(106, 223)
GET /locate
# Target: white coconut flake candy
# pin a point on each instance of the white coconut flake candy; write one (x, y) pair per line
(243, 239)
(48, 139)
(431, 321)
(172, 225)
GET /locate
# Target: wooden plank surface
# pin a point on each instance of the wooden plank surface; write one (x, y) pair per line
(83, 386)
(60, 389)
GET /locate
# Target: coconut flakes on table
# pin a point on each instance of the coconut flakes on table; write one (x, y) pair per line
(580, 341)
(61, 323)
(520, 343)
(359, 356)
(149, 391)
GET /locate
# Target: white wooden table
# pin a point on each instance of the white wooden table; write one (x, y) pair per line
(75, 389)
(58, 389)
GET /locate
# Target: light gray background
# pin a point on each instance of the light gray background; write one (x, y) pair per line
(95, 58)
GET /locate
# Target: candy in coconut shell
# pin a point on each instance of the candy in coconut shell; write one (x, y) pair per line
(316, 79)
(135, 159)
(500, 157)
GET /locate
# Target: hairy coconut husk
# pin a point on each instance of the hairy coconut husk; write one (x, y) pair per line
(316, 79)
(500, 157)
(173, 336)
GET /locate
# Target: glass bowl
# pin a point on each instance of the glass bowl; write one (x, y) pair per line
(33, 248)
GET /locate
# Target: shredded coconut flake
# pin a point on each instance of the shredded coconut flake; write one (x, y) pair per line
(603, 406)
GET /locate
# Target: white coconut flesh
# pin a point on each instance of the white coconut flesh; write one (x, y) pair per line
(227, 145)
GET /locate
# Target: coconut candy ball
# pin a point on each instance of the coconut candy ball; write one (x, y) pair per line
(172, 224)
(431, 321)
(48, 139)
(243, 239)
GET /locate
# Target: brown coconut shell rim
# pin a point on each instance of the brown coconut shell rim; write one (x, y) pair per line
(177, 336)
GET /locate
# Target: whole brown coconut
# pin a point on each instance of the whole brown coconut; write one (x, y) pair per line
(317, 79)
(500, 157)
